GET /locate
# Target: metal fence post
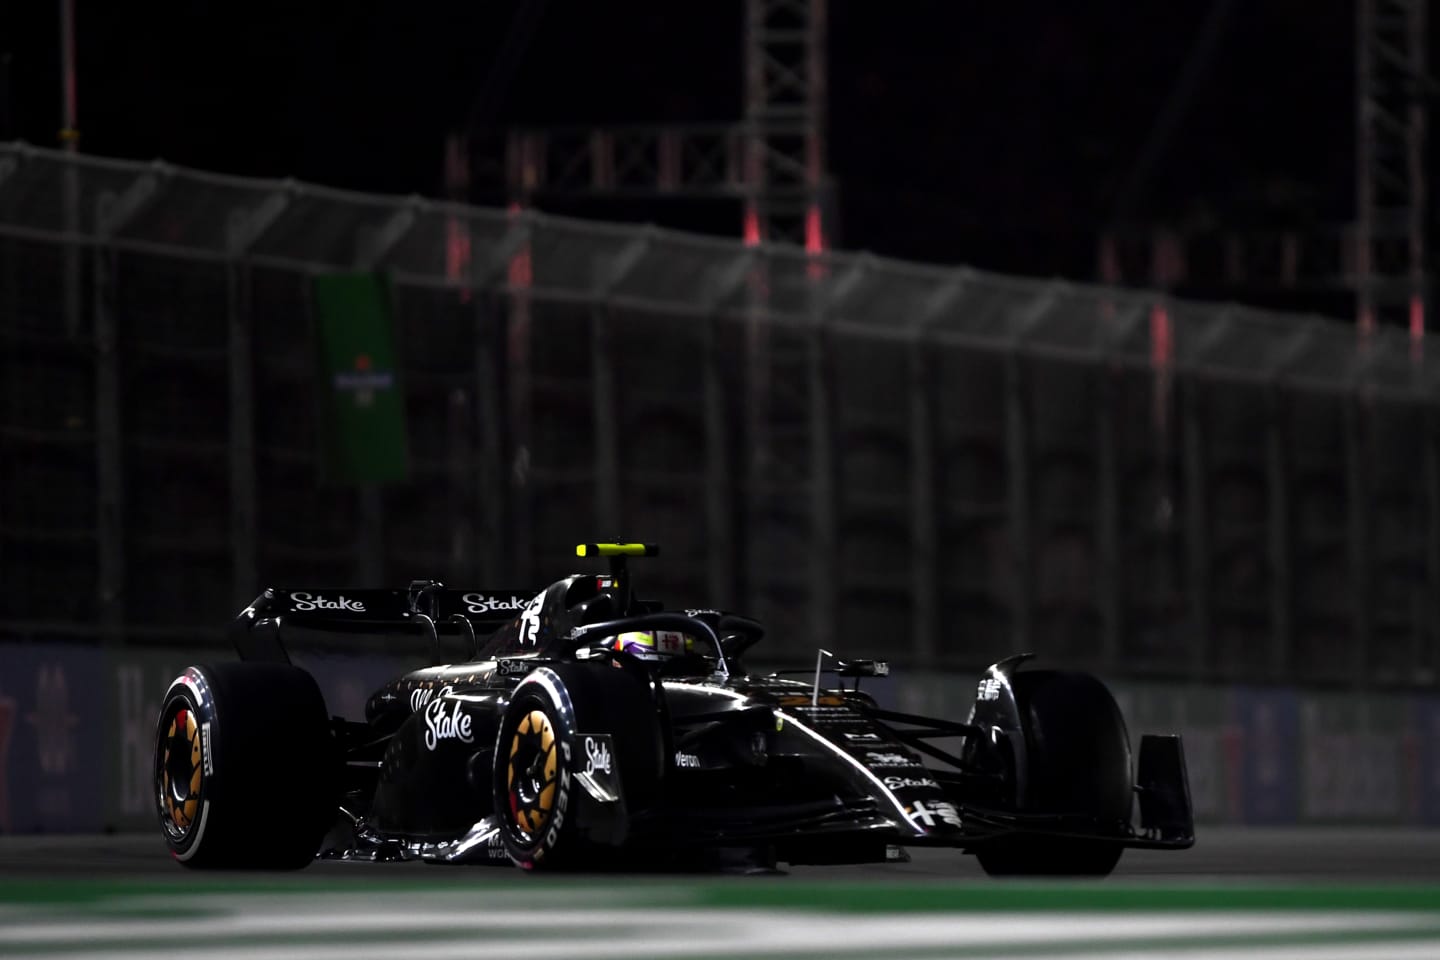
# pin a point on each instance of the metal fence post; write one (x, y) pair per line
(924, 509)
(1428, 643)
(721, 458)
(1357, 490)
(1019, 456)
(242, 229)
(1107, 522)
(370, 540)
(1018, 469)
(109, 444)
(719, 463)
(1197, 509)
(112, 210)
(520, 403)
(72, 280)
(492, 488)
(1281, 548)
(608, 521)
(755, 429)
(1119, 322)
(822, 485)
(1429, 640)
(243, 510)
(462, 565)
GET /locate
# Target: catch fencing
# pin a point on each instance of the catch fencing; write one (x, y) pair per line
(933, 464)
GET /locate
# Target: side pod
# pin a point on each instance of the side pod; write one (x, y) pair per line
(1163, 786)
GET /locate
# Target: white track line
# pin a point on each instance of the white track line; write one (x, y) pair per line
(624, 933)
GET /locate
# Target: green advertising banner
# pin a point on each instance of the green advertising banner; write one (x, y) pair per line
(364, 411)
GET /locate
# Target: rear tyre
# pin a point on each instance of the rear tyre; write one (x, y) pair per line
(1077, 763)
(547, 819)
(246, 769)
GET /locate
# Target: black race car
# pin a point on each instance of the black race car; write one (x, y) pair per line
(589, 728)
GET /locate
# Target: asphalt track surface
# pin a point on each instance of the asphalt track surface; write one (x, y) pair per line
(1309, 854)
(1298, 894)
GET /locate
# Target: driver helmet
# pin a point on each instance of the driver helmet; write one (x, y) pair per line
(655, 644)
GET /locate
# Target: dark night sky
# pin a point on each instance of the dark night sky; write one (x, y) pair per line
(997, 134)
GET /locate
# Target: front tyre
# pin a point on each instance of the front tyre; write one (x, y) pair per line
(547, 818)
(245, 771)
(1077, 764)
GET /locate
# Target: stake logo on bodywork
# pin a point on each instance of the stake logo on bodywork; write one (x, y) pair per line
(597, 754)
(905, 783)
(440, 725)
(598, 778)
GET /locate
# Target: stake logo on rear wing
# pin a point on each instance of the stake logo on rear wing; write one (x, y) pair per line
(476, 602)
(304, 601)
(426, 603)
(344, 605)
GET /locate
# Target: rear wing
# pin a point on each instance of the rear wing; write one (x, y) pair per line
(426, 607)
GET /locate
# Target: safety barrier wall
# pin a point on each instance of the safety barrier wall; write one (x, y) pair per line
(77, 735)
(941, 463)
(1266, 755)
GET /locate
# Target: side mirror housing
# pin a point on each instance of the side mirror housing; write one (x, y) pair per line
(863, 668)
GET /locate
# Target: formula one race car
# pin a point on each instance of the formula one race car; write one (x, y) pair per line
(593, 729)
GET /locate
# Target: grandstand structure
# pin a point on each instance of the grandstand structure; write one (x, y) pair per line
(1375, 267)
(993, 478)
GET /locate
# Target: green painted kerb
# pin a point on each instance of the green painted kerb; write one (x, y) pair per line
(784, 894)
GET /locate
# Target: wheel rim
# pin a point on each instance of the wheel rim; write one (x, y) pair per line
(531, 773)
(182, 772)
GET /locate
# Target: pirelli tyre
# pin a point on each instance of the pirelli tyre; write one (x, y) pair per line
(578, 751)
(1077, 763)
(246, 770)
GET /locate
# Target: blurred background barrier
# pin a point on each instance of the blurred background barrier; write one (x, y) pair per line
(77, 727)
(937, 465)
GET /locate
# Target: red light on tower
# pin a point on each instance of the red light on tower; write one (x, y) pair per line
(814, 237)
(520, 272)
(752, 227)
(1162, 356)
(457, 253)
(1162, 348)
(1417, 318)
